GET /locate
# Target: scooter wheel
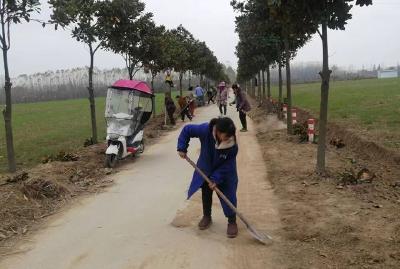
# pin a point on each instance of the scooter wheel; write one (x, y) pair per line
(111, 160)
(141, 147)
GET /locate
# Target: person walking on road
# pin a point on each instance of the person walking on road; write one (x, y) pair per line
(199, 92)
(192, 104)
(210, 96)
(222, 98)
(170, 107)
(217, 160)
(184, 105)
(242, 105)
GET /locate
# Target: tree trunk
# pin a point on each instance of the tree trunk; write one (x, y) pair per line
(280, 90)
(153, 100)
(250, 87)
(259, 86)
(252, 82)
(268, 82)
(180, 84)
(91, 97)
(130, 71)
(289, 88)
(190, 79)
(128, 64)
(7, 112)
(323, 116)
(263, 84)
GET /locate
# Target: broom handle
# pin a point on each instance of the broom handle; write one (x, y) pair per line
(218, 191)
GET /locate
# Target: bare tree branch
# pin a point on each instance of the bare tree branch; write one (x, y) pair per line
(319, 33)
(97, 47)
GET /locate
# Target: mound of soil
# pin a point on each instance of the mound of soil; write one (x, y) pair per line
(328, 224)
(28, 197)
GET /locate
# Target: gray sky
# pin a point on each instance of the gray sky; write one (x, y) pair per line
(372, 37)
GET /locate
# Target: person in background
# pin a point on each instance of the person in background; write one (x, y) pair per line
(222, 98)
(192, 104)
(217, 160)
(170, 107)
(210, 95)
(199, 92)
(242, 105)
(168, 79)
(184, 105)
(214, 91)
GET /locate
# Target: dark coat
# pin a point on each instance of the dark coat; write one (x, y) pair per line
(170, 105)
(218, 164)
(242, 104)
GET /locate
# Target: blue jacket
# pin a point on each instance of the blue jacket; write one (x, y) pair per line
(218, 164)
(199, 91)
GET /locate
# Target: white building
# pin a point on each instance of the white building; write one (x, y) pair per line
(387, 73)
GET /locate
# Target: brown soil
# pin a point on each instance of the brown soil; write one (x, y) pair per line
(28, 197)
(360, 141)
(328, 223)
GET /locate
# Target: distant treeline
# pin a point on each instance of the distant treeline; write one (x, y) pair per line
(72, 84)
(309, 72)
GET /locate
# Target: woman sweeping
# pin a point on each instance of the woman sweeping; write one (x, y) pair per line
(218, 161)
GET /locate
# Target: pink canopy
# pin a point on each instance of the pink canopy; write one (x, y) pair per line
(133, 85)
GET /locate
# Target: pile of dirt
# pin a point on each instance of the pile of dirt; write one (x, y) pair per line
(30, 196)
(326, 223)
(61, 157)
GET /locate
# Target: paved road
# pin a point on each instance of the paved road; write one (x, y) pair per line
(129, 226)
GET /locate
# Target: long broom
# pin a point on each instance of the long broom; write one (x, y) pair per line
(262, 238)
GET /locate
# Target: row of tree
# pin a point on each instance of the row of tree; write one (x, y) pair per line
(72, 83)
(272, 31)
(120, 26)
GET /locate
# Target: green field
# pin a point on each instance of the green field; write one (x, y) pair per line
(41, 129)
(371, 106)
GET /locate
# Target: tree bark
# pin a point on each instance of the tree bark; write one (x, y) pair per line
(323, 117)
(280, 90)
(268, 82)
(289, 87)
(7, 112)
(254, 87)
(180, 83)
(190, 79)
(128, 64)
(263, 84)
(259, 87)
(91, 97)
(153, 99)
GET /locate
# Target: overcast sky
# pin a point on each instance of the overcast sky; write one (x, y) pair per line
(371, 37)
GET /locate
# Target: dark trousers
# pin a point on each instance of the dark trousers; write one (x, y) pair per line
(171, 117)
(222, 109)
(207, 197)
(210, 99)
(243, 119)
(186, 113)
